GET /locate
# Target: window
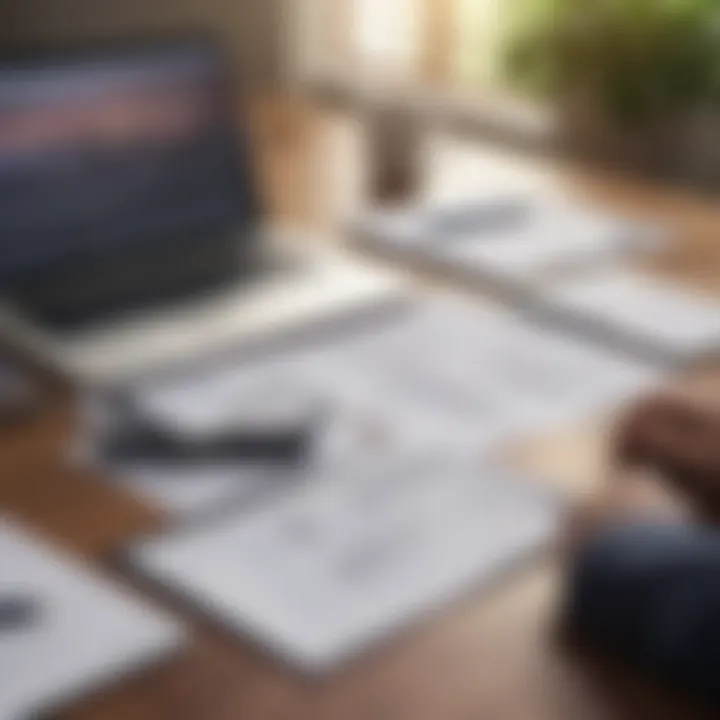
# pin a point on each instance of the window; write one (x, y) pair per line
(447, 51)
(477, 48)
(445, 42)
(386, 35)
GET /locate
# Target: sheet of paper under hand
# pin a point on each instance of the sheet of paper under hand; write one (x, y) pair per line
(447, 374)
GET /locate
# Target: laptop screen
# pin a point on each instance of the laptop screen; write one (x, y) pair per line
(103, 151)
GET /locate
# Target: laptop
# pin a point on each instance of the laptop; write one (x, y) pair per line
(132, 232)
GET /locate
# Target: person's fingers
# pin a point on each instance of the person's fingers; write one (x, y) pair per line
(637, 432)
(676, 435)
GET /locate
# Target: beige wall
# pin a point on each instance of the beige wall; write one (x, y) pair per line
(252, 30)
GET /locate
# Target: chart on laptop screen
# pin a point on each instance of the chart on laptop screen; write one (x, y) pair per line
(111, 149)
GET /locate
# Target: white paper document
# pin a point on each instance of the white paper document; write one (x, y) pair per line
(446, 374)
(340, 565)
(651, 316)
(73, 631)
(507, 238)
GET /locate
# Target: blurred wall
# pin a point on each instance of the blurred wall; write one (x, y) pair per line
(254, 31)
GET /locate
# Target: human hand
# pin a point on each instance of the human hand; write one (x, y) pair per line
(677, 434)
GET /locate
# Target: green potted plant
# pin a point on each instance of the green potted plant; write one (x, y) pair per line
(630, 78)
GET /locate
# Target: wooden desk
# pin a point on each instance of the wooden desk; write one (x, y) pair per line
(483, 658)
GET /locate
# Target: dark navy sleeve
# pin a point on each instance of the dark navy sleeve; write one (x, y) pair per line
(651, 594)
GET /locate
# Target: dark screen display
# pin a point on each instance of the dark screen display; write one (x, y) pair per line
(101, 153)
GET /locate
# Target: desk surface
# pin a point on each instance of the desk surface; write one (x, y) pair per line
(485, 657)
